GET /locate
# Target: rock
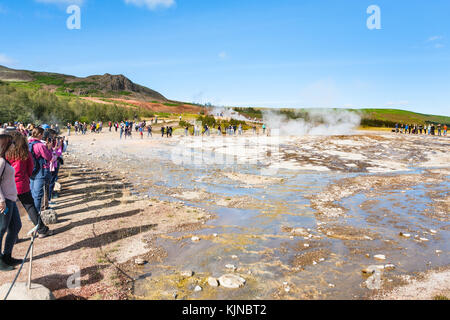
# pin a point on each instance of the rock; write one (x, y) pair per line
(306, 245)
(423, 239)
(140, 261)
(331, 285)
(231, 281)
(234, 257)
(213, 282)
(49, 217)
(195, 239)
(406, 235)
(231, 267)
(198, 289)
(368, 238)
(374, 281)
(380, 257)
(187, 273)
(438, 251)
(372, 269)
(389, 267)
(433, 231)
(299, 232)
(215, 235)
(287, 289)
(57, 187)
(20, 292)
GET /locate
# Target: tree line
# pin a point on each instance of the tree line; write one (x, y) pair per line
(35, 105)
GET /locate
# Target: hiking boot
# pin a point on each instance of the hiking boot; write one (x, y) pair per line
(10, 261)
(4, 266)
(46, 234)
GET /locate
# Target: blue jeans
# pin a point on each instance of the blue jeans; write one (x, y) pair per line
(37, 188)
(10, 224)
(53, 180)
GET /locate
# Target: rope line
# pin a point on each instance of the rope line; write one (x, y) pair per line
(26, 256)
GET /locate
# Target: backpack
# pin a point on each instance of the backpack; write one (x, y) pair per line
(38, 166)
(4, 168)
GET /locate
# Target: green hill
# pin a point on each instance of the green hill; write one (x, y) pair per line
(32, 104)
(107, 85)
(388, 117)
(369, 117)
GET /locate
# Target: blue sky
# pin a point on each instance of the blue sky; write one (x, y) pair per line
(285, 53)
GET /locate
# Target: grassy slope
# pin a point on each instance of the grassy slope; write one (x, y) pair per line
(403, 116)
(65, 85)
(386, 116)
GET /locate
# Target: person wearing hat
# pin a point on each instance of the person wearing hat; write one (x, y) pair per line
(10, 223)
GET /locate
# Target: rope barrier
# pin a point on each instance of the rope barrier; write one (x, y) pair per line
(34, 234)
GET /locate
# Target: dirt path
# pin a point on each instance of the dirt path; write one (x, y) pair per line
(101, 230)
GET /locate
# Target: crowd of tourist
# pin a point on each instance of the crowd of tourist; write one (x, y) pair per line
(30, 158)
(428, 129)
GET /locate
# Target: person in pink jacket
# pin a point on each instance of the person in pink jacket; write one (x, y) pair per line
(22, 161)
(42, 156)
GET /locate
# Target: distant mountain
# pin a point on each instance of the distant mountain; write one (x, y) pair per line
(106, 85)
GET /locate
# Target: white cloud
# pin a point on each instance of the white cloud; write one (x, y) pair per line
(223, 55)
(436, 42)
(152, 4)
(5, 60)
(435, 38)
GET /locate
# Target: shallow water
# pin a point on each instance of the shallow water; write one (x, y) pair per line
(265, 251)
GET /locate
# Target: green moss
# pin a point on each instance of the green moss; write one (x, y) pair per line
(56, 80)
(171, 104)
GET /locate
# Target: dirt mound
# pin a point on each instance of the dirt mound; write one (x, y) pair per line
(7, 74)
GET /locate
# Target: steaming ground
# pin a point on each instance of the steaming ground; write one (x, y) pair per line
(358, 153)
(319, 123)
(298, 217)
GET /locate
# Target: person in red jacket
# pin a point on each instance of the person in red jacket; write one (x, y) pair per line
(22, 161)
